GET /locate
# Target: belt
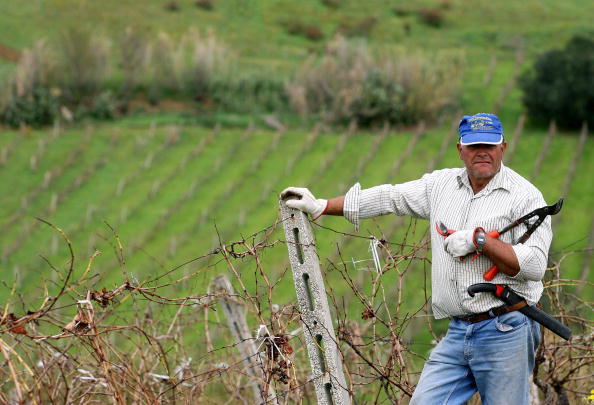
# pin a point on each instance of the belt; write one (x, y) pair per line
(492, 313)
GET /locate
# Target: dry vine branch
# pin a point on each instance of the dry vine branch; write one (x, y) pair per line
(141, 342)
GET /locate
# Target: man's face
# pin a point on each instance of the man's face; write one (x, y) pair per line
(482, 161)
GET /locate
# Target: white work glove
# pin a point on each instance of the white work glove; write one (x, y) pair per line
(307, 202)
(460, 243)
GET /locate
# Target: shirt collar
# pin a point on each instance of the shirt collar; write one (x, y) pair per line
(500, 180)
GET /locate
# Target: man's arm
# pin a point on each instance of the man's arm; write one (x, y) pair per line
(335, 206)
(410, 198)
(502, 255)
(307, 203)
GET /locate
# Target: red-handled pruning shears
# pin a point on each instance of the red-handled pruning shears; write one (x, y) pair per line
(541, 213)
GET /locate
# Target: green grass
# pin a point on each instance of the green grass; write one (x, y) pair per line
(256, 31)
(260, 33)
(154, 210)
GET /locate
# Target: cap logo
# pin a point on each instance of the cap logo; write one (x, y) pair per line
(481, 124)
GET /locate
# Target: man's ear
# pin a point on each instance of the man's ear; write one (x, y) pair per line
(503, 146)
(459, 150)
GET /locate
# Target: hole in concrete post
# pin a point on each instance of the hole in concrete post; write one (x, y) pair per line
(328, 389)
(310, 300)
(227, 306)
(298, 245)
(239, 337)
(237, 330)
(321, 354)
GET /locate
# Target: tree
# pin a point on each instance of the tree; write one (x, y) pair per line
(560, 85)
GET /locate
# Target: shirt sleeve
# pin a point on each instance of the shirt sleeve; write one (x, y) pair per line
(533, 254)
(410, 198)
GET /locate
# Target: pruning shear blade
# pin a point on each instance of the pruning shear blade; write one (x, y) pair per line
(443, 230)
(541, 213)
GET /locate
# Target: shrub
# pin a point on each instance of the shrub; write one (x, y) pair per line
(432, 17)
(381, 101)
(73, 73)
(349, 83)
(331, 3)
(249, 92)
(26, 97)
(36, 68)
(134, 55)
(309, 31)
(359, 28)
(204, 4)
(402, 11)
(560, 85)
(83, 61)
(103, 107)
(328, 86)
(171, 6)
(208, 57)
(187, 66)
(37, 107)
(162, 66)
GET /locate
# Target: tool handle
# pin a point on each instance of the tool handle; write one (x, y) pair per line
(510, 297)
(491, 273)
(547, 321)
(493, 270)
(494, 234)
(483, 287)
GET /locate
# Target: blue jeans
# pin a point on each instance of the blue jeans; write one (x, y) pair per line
(495, 357)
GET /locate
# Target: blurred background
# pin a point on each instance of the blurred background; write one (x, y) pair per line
(156, 130)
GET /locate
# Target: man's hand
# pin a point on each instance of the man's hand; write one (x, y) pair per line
(460, 243)
(307, 202)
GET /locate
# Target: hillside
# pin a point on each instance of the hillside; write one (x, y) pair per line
(496, 41)
(258, 29)
(167, 208)
(165, 188)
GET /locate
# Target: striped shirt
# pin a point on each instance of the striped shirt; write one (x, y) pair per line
(446, 196)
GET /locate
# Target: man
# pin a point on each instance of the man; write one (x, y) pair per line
(488, 347)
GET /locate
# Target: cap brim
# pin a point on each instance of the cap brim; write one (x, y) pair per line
(481, 137)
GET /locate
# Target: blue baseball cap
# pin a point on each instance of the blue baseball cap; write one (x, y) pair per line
(480, 128)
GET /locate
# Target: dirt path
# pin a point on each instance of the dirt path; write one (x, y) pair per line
(8, 53)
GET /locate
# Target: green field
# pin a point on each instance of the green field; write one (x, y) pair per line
(495, 40)
(164, 181)
(164, 188)
(173, 193)
(258, 29)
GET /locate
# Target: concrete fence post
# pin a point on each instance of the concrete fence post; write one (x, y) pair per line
(318, 330)
(235, 313)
